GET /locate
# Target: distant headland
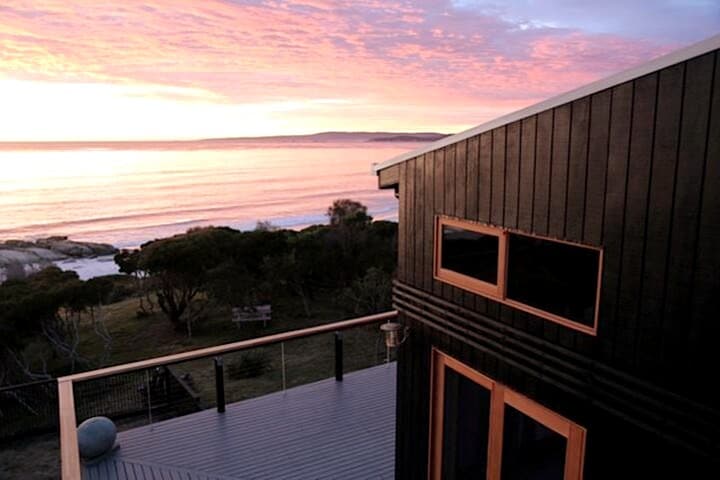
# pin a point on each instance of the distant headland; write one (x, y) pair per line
(209, 143)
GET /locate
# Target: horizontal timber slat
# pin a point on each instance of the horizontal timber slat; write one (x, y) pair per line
(684, 422)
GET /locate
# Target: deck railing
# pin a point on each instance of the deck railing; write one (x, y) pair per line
(69, 452)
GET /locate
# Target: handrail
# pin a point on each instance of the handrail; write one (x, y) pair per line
(69, 453)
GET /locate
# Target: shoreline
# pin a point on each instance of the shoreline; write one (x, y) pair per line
(135, 238)
(23, 257)
(92, 267)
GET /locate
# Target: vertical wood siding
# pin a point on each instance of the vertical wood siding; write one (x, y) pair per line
(704, 302)
(634, 169)
(687, 208)
(623, 169)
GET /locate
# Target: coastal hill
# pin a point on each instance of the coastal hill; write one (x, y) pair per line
(209, 143)
(339, 137)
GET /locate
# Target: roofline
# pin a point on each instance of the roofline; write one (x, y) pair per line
(694, 50)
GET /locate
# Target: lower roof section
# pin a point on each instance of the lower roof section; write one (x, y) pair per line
(326, 429)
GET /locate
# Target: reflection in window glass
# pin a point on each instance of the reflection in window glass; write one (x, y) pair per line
(470, 253)
(531, 451)
(555, 277)
(466, 426)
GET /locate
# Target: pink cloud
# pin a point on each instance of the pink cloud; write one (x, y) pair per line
(428, 55)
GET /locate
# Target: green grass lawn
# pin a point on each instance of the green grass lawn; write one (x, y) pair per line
(152, 336)
(306, 359)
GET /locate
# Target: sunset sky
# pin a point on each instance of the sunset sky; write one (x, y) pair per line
(126, 70)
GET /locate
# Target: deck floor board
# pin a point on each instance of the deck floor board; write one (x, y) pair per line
(325, 429)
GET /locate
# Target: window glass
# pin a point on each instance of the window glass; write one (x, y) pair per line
(555, 277)
(470, 253)
(466, 428)
(531, 451)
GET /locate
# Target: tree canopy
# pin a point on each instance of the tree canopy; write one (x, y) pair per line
(45, 306)
(346, 212)
(352, 259)
(245, 268)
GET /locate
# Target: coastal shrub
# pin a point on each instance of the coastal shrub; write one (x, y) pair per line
(370, 294)
(48, 308)
(249, 365)
(122, 289)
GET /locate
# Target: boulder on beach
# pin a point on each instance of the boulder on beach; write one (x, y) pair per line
(20, 258)
(17, 243)
(16, 264)
(71, 248)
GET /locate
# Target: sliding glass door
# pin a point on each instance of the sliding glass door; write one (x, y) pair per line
(482, 430)
(466, 427)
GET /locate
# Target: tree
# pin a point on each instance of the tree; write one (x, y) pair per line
(128, 262)
(23, 309)
(370, 294)
(179, 266)
(47, 306)
(380, 247)
(97, 291)
(301, 268)
(187, 271)
(346, 212)
(241, 278)
(266, 226)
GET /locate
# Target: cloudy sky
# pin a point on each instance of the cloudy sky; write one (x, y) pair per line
(92, 69)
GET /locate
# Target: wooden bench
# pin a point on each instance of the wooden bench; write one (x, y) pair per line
(257, 313)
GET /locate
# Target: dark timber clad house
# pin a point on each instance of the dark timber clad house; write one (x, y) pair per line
(559, 272)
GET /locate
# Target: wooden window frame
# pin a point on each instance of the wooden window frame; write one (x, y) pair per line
(499, 397)
(499, 292)
(464, 281)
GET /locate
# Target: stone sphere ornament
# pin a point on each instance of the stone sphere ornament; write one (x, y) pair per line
(96, 436)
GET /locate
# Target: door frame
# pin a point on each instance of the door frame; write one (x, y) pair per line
(499, 397)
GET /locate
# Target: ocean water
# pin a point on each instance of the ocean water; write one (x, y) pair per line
(126, 196)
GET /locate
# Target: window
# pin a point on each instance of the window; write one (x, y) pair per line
(553, 279)
(481, 429)
(530, 449)
(557, 278)
(468, 256)
(465, 435)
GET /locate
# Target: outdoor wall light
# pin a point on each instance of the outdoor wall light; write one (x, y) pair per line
(395, 334)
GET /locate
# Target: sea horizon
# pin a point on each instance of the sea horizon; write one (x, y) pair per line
(132, 195)
(326, 137)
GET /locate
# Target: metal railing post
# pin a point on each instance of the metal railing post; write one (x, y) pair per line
(338, 357)
(282, 365)
(219, 385)
(149, 396)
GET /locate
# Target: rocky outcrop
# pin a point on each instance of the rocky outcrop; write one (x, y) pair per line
(19, 258)
(69, 248)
